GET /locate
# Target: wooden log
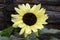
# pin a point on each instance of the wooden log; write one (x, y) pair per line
(47, 2)
(7, 15)
(1, 14)
(53, 26)
(26, 1)
(2, 6)
(1, 20)
(9, 7)
(50, 2)
(57, 35)
(51, 8)
(1, 1)
(2, 25)
(54, 17)
(7, 2)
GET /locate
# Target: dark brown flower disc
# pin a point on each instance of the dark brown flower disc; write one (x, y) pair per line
(29, 19)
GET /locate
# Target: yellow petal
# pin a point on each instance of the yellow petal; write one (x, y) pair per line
(34, 29)
(22, 7)
(17, 10)
(45, 23)
(21, 25)
(40, 27)
(14, 20)
(16, 24)
(22, 31)
(44, 18)
(33, 8)
(28, 30)
(20, 11)
(25, 35)
(41, 11)
(19, 6)
(37, 8)
(27, 7)
(15, 16)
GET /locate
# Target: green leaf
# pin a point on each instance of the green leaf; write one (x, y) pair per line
(0, 33)
(53, 38)
(36, 33)
(14, 38)
(33, 37)
(10, 38)
(45, 30)
(7, 31)
(4, 38)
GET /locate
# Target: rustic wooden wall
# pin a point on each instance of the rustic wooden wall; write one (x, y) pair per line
(52, 6)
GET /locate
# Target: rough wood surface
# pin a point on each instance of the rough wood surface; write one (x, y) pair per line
(54, 17)
(51, 8)
(50, 2)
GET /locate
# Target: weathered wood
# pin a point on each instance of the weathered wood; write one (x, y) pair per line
(2, 25)
(7, 16)
(1, 14)
(7, 2)
(54, 17)
(26, 1)
(1, 1)
(53, 26)
(9, 7)
(1, 6)
(57, 35)
(50, 2)
(51, 8)
(47, 2)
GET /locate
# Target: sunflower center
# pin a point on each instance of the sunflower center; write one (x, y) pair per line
(29, 19)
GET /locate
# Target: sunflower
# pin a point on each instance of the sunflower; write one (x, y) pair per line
(29, 19)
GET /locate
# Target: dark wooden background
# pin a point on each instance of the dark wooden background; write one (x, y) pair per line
(52, 7)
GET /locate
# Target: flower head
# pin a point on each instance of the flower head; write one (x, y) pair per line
(29, 19)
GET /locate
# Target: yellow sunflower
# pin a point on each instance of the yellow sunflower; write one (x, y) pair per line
(29, 19)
